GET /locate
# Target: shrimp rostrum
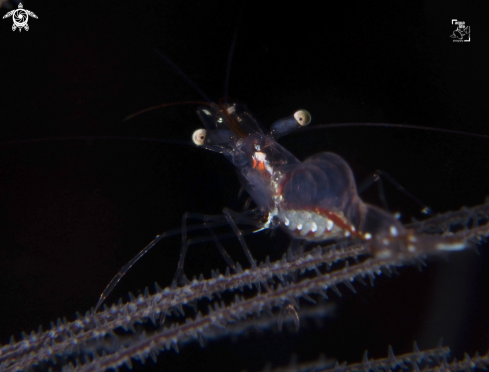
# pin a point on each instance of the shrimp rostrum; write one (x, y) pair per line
(314, 200)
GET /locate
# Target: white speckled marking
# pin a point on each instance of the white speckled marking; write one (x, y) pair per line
(393, 231)
(307, 222)
(451, 247)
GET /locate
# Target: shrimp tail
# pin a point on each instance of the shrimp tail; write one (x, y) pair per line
(414, 244)
(387, 236)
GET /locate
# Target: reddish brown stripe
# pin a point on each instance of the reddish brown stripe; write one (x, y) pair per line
(337, 220)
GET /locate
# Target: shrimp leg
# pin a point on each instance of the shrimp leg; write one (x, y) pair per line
(230, 216)
(240, 218)
(210, 222)
(376, 177)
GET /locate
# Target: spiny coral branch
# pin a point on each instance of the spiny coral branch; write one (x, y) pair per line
(65, 338)
(431, 360)
(412, 361)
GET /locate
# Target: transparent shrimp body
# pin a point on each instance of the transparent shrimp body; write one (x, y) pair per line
(318, 200)
(314, 200)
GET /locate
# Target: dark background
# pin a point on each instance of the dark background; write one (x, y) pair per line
(73, 212)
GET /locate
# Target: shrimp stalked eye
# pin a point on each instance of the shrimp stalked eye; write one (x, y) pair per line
(284, 126)
(303, 117)
(198, 137)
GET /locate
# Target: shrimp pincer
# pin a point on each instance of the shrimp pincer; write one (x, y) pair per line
(314, 200)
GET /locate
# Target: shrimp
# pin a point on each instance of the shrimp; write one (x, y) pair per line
(315, 200)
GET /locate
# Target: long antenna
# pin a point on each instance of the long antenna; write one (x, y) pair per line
(387, 125)
(170, 63)
(230, 55)
(152, 108)
(91, 138)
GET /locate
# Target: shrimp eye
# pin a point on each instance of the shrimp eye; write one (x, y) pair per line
(199, 136)
(302, 117)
